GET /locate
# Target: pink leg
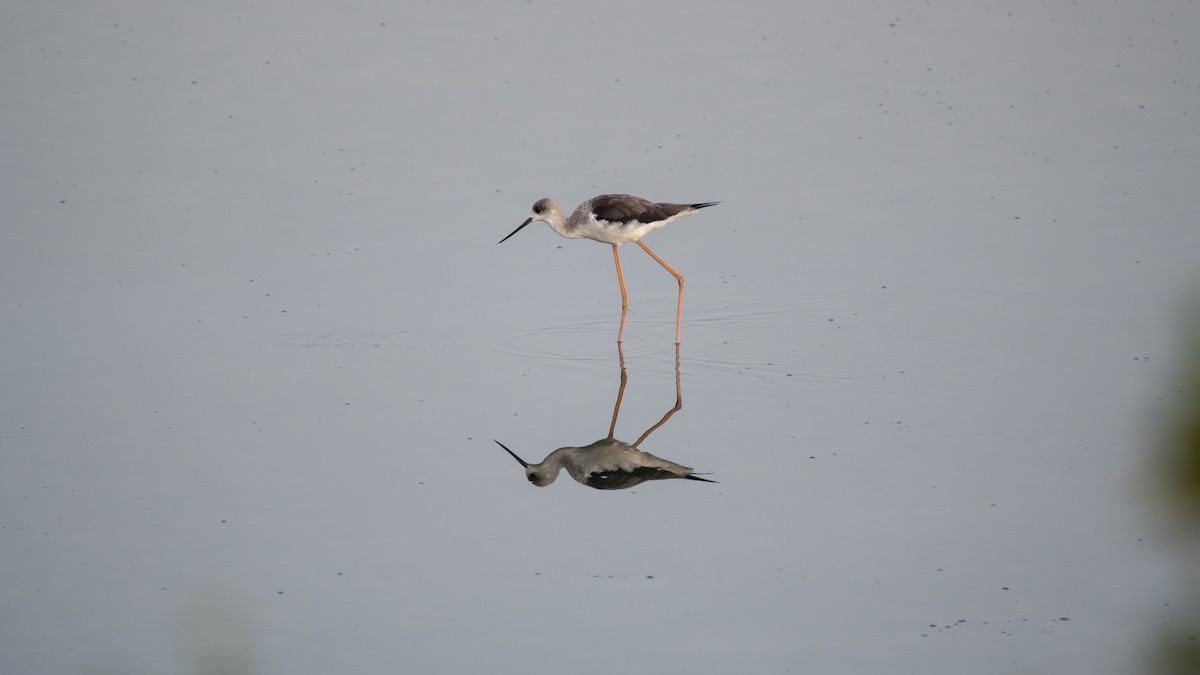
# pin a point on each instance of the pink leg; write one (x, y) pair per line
(624, 296)
(678, 277)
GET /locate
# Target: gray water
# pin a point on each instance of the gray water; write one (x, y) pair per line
(258, 337)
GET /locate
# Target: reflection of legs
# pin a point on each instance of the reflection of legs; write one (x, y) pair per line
(672, 411)
(620, 392)
(678, 389)
(624, 297)
(678, 277)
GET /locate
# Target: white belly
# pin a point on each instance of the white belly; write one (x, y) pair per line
(618, 233)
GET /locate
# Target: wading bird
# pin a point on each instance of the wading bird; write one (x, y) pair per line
(616, 220)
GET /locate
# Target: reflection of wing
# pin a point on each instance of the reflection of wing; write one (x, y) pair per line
(609, 464)
(619, 480)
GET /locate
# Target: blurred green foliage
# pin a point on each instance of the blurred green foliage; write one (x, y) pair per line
(1175, 650)
(1180, 466)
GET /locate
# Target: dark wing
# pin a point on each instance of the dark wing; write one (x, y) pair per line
(619, 480)
(626, 209)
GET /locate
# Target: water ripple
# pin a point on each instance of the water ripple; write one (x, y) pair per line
(861, 340)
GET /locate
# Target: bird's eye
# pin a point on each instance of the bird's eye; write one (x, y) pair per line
(533, 477)
(537, 208)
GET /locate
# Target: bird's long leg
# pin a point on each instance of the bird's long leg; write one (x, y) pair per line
(678, 277)
(624, 296)
(620, 391)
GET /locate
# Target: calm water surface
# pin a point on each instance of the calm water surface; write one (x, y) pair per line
(258, 337)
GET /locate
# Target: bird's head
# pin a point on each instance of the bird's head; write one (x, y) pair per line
(546, 210)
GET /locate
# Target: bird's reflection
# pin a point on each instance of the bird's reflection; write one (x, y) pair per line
(610, 464)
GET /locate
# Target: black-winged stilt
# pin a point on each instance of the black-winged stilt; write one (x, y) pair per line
(616, 220)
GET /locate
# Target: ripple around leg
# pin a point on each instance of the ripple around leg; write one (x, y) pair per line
(578, 341)
(920, 339)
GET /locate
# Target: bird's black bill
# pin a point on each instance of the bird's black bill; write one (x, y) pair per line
(523, 462)
(527, 221)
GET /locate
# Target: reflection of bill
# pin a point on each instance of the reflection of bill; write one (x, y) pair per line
(610, 464)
